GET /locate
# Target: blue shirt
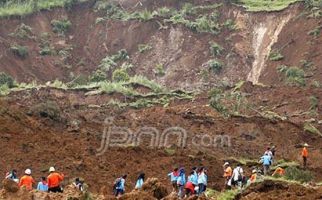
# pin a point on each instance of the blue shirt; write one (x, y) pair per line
(193, 179)
(122, 185)
(173, 178)
(266, 160)
(202, 178)
(42, 187)
(181, 179)
(139, 184)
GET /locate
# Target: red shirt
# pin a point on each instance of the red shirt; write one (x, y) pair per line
(26, 181)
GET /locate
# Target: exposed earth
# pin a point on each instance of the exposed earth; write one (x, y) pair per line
(257, 102)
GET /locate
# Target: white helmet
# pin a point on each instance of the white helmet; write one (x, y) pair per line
(254, 171)
(226, 163)
(28, 171)
(52, 169)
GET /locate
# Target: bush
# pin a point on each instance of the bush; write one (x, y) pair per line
(144, 15)
(275, 56)
(98, 76)
(45, 47)
(6, 79)
(120, 75)
(293, 173)
(230, 24)
(215, 65)
(23, 31)
(159, 70)
(61, 26)
(295, 76)
(21, 51)
(215, 49)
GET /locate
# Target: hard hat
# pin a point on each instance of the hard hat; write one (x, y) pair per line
(306, 145)
(254, 171)
(28, 171)
(226, 163)
(52, 169)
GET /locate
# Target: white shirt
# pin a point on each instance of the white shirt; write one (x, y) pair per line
(236, 172)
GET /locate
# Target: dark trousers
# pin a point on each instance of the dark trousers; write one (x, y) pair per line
(55, 189)
(202, 188)
(304, 161)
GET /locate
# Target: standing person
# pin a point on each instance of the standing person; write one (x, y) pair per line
(27, 180)
(269, 152)
(120, 186)
(237, 176)
(190, 187)
(202, 180)
(266, 160)
(173, 178)
(54, 179)
(228, 172)
(12, 176)
(42, 185)
(181, 182)
(273, 150)
(140, 181)
(305, 154)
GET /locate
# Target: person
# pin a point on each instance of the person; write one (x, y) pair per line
(202, 180)
(181, 182)
(79, 184)
(266, 160)
(194, 176)
(273, 150)
(237, 176)
(140, 181)
(54, 179)
(253, 177)
(42, 185)
(305, 154)
(27, 180)
(190, 187)
(173, 178)
(12, 176)
(269, 152)
(119, 186)
(279, 171)
(227, 175)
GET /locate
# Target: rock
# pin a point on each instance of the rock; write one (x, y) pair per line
(10, 186)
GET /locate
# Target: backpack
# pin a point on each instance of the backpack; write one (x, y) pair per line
(117, 183)
(240, 177)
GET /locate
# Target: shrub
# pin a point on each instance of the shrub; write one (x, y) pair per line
(98, 76)
(45, 47)
(230, 24)
(216, 101)
(21, 51)
(159, 70)
(61, 26)
(275, 56)
(6, 79)
(295, 76)
(293, 173)
(315, 32)
(215, 65)
(165, 12)
(215, 49)
(314, 103)
(205, 25)
(4, 90)
(120, 75)
(48, 109)
(144, 15)
(23, 31)
(144, 47)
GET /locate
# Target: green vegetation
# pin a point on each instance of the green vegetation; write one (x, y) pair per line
(230, 24)
(109, 62)
(23, 31)
(61, 26)
(215, 49)
(159, 70)
(4, 90)
(284, 164)
(216, 96)
(45, 45)
(144, 47)
(120, 75)
(98, 76)
(25, 7)
(48, 109)
(21, 51)
(293, 173)
(294, 75)
(316, 31)
(275, 56)
(225, 195)
(215, 66)
(308, 127)
(305, 64)
(264, 5)
(6, 79)
(314, 103)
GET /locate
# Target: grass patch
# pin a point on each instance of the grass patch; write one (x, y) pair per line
(275, 56)
(294, 75)
(159, 70)
(215, 49)
(308, 127)
(264, 5)
(215, 65)
(144, 47)
(23, 31)
(61, 26)
(227, 195)
(20, 51)
(284, 164)
(120, 75)
(295, 174)
(7, 80)
(26, 7)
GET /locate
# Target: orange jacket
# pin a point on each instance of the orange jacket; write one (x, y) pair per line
(228, 172)
(305, 153)
(26, 181)
(54, 179)
(279, 171)
(253, 178)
